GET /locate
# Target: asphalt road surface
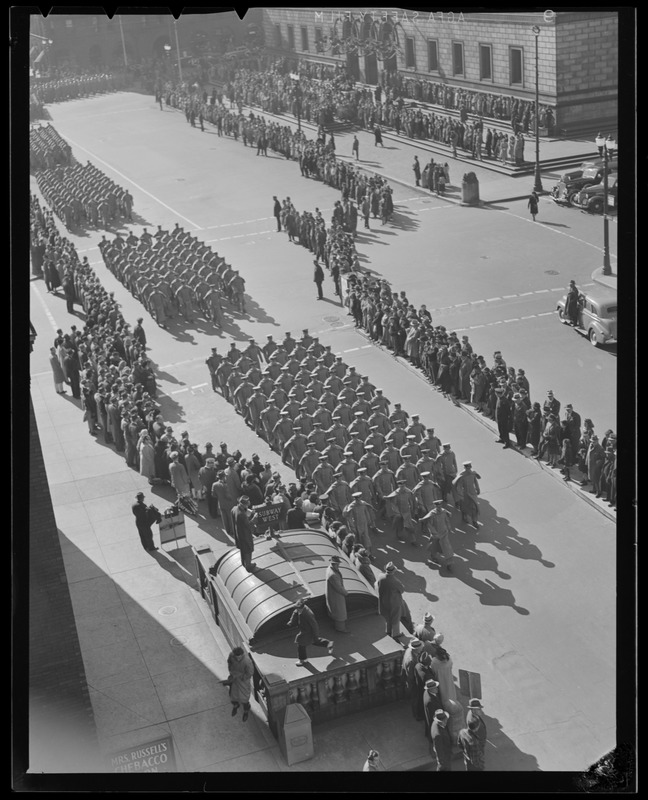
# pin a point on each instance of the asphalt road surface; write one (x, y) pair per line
(520, 608)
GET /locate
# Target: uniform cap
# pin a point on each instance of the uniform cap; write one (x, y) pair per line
(428, 617)
(467, 464)
(425, 474)
(356, 494)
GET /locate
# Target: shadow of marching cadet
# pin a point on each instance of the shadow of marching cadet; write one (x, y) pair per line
(490, 594)
(503, 536)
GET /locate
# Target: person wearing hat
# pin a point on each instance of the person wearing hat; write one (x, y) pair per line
(372, 763)
(359, 518)
(416, 428)
(421, 675)
(398, 414)
(408, 472)
(424, 630)
(207, 478)
(402, 510)
(390, 600)
(213, 362)
(467, 491)
(475, 709)
(436, 524)
(411, 656)
(138, 333)
(430, 444)
(472, 747)
(363, 563)
(322, 475)
(336, 595)
(242, 524)
(308, 462)
(239, 679)
(550, 406)
(179, 476)
(308, 632)
(144, 517)
(441, 741)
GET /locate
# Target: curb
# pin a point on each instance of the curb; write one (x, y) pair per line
(571, 485)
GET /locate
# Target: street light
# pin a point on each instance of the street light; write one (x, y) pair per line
(175, 27)
(608, 145)
(537, 185)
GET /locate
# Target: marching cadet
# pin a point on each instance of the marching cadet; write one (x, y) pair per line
(304, 420)
(279, 396)
(294, 449)
(370, 460)
(430, 444)
(323, 474)
(416, 428)
(334, 453)
(323, 415)
(310, 402)
(233, 354)
(363, 406)
(308, 462)
(355, 446)
(242, 395)
(254, 352)
(266, 383)
(366, 389)
(343, 411)
(293, 407)
(338, 495)
(269, 418)
(426, 492)
(269, 348)
(402, 508)
(391, 455)
(347, 394)
(411, 448)
(397, 436)
(339, 368)
(213, 363)
(375, 440)
(256, 404)
(318, 437)
(338, 431)
(425, 464)
(307, 340)
(467, 492)
(385, 484)
(447, 469)
(358, 518)
(359, 426)
(349, 467)
(354, 378)
(328, 399)
(436, 523)
(379, 420)
(223, 371)
(408, 472)
(398, 414)
(363, 484)
(283, 430)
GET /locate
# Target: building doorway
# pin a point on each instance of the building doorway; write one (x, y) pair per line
(371, 69)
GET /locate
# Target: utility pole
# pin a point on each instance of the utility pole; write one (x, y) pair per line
(175, 26)
(537, 184)
(121, 30)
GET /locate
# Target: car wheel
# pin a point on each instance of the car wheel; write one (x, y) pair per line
(596, 206)
(593, 338)
(561, 316)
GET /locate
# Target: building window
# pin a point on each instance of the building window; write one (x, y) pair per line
(319, 47)
(410, 57)
(433, 55)
(277, 35)
(457, 58)
(515, 65)
(291, 37)
(485, 62)
(304, 38)
(69, 23)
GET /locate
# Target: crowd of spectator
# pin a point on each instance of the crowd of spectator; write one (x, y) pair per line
(174, 273)
(498, 391)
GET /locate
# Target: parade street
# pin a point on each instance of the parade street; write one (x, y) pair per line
(519, 609)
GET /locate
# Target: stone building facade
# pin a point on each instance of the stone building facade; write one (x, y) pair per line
(486, 52)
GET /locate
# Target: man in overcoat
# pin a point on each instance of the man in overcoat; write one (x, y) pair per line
(336, 595)
(308, 631)
(390, 600)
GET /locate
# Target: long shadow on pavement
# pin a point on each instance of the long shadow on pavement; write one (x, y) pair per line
(498, 531)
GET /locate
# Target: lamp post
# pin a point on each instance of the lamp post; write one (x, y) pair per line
(175, 27)
(121, 30)
(607, 269)
(537, 184)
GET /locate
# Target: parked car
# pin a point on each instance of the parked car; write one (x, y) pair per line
(592, 198)
(589, 173)
(597, 315)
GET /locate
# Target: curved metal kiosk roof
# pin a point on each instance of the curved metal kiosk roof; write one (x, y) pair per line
(288, 567)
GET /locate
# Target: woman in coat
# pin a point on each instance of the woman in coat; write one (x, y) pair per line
(441, 666)
(533, 205)
(239, 680)
(336, 594)
(57, 372)
(146, 456)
